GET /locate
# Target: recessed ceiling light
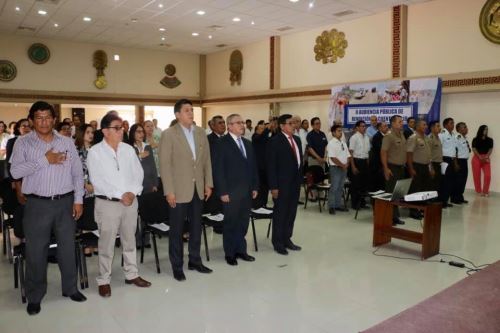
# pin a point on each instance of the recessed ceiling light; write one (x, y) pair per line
(134, 20)
(311, 4)
(116, 57)
(56, 25)
(87, 19)
(195, 34)
(236, 19)
(163, 38)
(18, 9)
(160, 5)
(162, 29)
(294, 1)
(209, 36)
(42, 12)
(252, 23)
(200, 12)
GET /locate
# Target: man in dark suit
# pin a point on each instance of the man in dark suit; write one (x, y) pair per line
(213, 204)
(375, 163)
(236, 183)
(284, 166)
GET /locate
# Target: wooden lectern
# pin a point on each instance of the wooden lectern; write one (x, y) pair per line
(383, 230)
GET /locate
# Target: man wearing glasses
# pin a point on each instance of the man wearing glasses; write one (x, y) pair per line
(284, 169)
(52, 177)
(117, 175)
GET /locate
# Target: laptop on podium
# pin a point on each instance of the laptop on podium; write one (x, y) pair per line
(400, 190)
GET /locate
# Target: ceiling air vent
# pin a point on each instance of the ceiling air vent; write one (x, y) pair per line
(216, 27)
(344, 13)
(165, 45)
(285, 28)
(221, 45)
(22, 27)
(49, 2)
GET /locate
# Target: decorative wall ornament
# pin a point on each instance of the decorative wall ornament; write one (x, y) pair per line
(8, 71)
(39, 53)
(489, 21)
(100, 63)
(170, 80)
(330, 46)
(235, 67)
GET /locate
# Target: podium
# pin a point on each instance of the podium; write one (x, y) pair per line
(384, 231)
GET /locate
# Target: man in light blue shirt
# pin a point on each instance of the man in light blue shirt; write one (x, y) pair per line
(372, 130)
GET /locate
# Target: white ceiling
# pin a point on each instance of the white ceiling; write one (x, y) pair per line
(112, 20)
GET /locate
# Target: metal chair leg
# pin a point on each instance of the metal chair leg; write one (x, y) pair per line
(16, 272)
(269, 227)
(254, 235)
(84, 268)
(204, 230)
(155, 248)
(143, 234)
(21, 279)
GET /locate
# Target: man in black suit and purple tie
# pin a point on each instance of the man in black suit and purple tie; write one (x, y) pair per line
(284, 169)
(236, 184)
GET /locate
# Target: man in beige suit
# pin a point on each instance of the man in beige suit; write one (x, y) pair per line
(186, 172)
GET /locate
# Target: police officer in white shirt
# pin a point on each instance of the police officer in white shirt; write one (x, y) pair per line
(463, 153)
(449, 143)
(117, 175)
(338, 161)
(359, 147)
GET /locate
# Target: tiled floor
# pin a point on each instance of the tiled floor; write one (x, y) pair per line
(335, 284)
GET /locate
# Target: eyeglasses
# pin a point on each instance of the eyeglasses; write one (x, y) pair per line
(238, 123)
(116, 128)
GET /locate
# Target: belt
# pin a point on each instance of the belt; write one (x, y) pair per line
(53, 197)
(395, 165)
(103, 197)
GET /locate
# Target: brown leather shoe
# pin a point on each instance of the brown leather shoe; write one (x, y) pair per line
(139, 282)
(105, 290)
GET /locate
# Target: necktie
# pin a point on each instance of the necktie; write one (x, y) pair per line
(292, 142)
(240, 145)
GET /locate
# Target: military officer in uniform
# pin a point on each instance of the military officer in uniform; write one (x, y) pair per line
(463, 153)
(449, 143)
(436, 155)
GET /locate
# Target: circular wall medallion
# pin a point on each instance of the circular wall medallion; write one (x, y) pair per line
(489, 21)
(170, 70)
(330, 46)
(39, 53)
(8, 71)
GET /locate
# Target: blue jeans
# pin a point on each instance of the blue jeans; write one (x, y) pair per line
(337, 180)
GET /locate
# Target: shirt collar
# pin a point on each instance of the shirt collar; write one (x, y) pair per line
(235, 138)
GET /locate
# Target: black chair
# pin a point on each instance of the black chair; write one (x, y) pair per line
(362, 196)
(153, 218)
(212, 221)
(255, 215)
(316, 175)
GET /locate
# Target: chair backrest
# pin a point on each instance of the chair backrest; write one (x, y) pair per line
(153, 208)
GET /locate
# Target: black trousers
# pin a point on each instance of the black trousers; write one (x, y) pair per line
(448, 180)
(263, 193)
(178, 215)
(235, 227)
(422, 180)
(398, 172)
(285, 210)
(457, 194)
(41, 218)
(359, 182)
(435, 183)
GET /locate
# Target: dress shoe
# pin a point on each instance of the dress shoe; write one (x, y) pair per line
(446, 205)
(179, 276)
(416, 216)
(76, 297)
(331, 211)
(139, 282)
(293, 247)
(397, 221)
(33, 308)
(465, 201)
(245, 257)
(105, 290)
(456, 202)
(282, 251)
(342, 209)
(199, 267)
(231, 261)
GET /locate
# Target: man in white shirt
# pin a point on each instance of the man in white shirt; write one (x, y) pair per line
(156, 131)
(359, 147)
(117, 175)
(338, 161)
(463, 153)
(248, 130)
(449, 143)
(300, 132)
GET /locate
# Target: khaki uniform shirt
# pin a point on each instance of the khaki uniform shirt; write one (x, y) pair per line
(436, 148)
(395, 145)
(420, 146)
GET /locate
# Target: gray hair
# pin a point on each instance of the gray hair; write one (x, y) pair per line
(230, 118)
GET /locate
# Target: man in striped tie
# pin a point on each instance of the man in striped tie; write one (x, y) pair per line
(236, 184)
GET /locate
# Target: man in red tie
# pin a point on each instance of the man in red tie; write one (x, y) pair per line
(284, 169)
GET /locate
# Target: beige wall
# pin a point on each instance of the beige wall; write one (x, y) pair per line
(255, 73)
(444, 37)
(308, 110)
(70, 68)
(255, 112)
(368, 55)
(13, 111)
